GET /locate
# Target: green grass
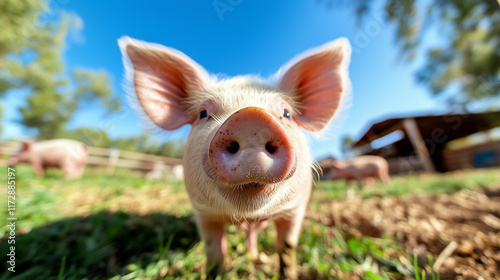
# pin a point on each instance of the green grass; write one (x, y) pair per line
(123, 227)
(420, 274)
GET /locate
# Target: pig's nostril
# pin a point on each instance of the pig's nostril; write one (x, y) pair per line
(271, 147)
(234, 147)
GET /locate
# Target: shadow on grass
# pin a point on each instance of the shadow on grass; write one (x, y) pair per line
(98, 246)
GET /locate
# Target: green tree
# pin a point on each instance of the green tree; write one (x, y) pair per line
(173, 149)
(31, 57)
(468, 58)
(89, 136)
(347, 148)
(1, 114)
(17, 20)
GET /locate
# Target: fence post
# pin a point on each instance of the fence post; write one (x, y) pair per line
(114, 154)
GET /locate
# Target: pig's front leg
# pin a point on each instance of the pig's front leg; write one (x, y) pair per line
(38, 167)
(73, 172)
(288, 232)
(251, 239)
(212, 233)
(359, 180)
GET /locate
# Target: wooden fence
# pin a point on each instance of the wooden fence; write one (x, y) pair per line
(111, 158)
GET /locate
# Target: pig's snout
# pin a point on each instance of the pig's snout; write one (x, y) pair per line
(252, 147)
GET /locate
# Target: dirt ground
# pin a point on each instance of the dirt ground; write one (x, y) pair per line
(460, 231)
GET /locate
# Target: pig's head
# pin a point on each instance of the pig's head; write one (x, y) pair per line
(337, 166)
(22, 157)
(336, 170)
(246, 155)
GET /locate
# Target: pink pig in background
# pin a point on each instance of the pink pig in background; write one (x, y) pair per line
(68, 155)
(246, 161)
(363, 168)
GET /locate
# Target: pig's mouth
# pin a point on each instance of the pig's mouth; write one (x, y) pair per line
(253, 190)
(257, 185)
(247, 196)
(250, 189)
(253, 185)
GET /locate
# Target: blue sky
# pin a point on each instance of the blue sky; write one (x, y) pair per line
(242, 37)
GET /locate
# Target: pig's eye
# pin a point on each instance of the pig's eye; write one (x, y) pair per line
(287, 114)
(203, 114)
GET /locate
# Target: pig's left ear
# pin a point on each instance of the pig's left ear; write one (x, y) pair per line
(317, 79)
(163, 80)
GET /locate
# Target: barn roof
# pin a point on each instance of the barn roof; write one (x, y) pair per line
(452, 126)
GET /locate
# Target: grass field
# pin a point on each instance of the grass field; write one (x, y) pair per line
(123, 227)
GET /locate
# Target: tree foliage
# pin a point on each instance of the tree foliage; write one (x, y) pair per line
(466, 63)
(1, 115)
(31, 50)
(347, 147)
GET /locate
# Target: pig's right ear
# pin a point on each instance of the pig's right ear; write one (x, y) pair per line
(317, 80)
(163, 79)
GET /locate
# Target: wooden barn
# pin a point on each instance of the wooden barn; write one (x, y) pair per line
(421, 142)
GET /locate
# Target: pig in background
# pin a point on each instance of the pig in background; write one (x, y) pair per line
(162, 171)
(361, 169)
(246, 161)
(67, 155)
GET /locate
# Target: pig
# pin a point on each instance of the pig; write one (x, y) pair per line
(68, 155)
(361, 168)
(246, 159)
(162, 170)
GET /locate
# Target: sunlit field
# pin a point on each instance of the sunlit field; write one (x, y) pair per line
(123, 227)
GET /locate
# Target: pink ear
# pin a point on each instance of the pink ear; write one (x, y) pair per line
(163, 79)
(318, 79)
